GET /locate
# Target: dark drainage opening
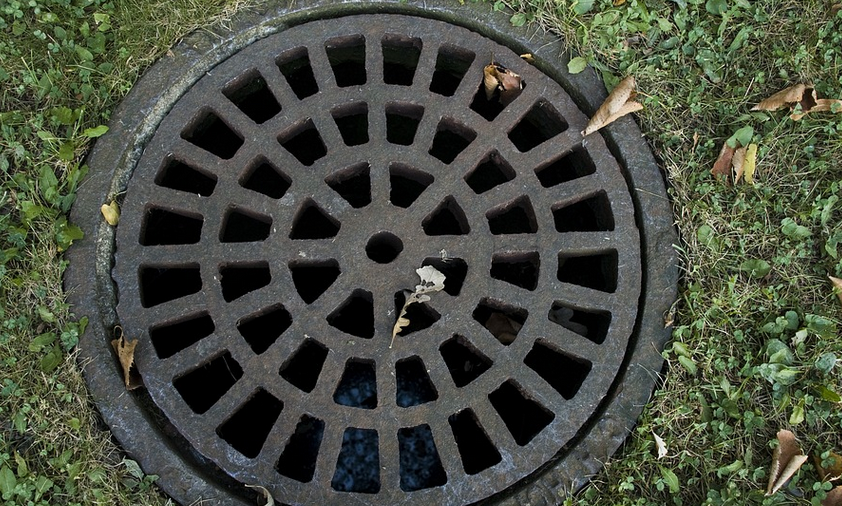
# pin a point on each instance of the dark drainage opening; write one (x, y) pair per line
(420, 465)
(271, 227)
(358, 465)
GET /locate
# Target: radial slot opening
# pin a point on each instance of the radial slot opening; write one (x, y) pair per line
(475, 447)
(402, 122)
(406, 184)
(176, 175)
(562, 371)
(313, 278)
(352, 184)
(452, 63)
(263, 177)
(347, 58)
(298, 460)
(400, 58)
(163, 283)
(262, 329)
(454, 269)
(520, 268)
(541, 123)
(241, 225)
(247, 429)
(210, 133)
(304, 142)
(161, 226)
(492, 171)
(488, 109)
(464, 361)
(573, 165)
(202, 387)
(355, 316)
(504, 321)
(523, 416)
(352, 121)
(515, 217)
(358, 386)
(451, 139)
(302, 368)
(241, 278)
(294, 64)
(447, 218)
(251, 95)
(592, 214)
(414, 386)
(420, 315)
(358, 464)
(591, 324)
(420, 465)
(172, 337)
(313, 222)
(596, 270)
(383, 247)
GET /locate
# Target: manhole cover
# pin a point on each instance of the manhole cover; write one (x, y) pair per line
(273, 224)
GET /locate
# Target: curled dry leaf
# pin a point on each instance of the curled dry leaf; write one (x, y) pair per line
(837, 285)
(111, 213)
(786, 460)
(432, 280)
(501, 82)
(619, 103)
(270, 501)
(661, 446)
(834, 497)
(801, 100)
(125, 354)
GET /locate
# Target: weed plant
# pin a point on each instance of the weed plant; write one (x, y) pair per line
(755, 344)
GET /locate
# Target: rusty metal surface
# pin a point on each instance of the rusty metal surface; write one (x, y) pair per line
(275, 219)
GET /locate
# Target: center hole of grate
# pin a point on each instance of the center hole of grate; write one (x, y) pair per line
(383, 247)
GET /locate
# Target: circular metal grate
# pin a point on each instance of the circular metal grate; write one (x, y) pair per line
(272, 228)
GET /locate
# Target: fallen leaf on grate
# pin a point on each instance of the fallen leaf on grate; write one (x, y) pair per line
(786, 460)
(619, 103)
(501, 82)
(111, 213)
(125, 353)
(432, 280)
(270, 501)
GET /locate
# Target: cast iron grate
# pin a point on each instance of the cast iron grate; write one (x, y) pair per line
(275, 220)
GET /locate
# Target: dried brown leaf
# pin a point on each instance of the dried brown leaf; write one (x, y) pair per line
(270, 501)
(619, 103)
(833, 471)
(738, 163)
(786, 460)
(784, 98)
(501, 82)
(432, 280)
(834, 497)
(111, 213)
(125, 354)
(835, 8)
(722, 166)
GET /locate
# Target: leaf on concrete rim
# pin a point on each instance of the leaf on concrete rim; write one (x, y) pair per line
(270, 501)
(528, 58)
(432, 280)
(577, 64)
(660, 445)
(125, 354)
(501, 82)
(837, 286)
(619, 103)
(111, 213)
(786, 460)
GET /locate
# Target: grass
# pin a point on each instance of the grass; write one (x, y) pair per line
(756, 341)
